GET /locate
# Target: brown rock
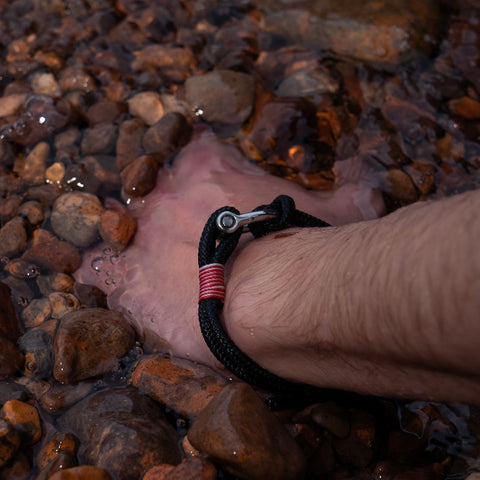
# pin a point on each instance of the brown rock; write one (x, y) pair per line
(50, 253)
(36, 312)
(221, 96)
(55, 282)
(75, 217)
(35, 164)
(60, 442)
(169, 133)
(423, 176)
(37, 347)
(63, 461)
(10, 104)
(192, 469)
(140, 176)
(105, 111)
(45, 83)
(19, 268)
(147, 106)
(13, 237)
(9, 442)
(184, 386)
(129, 142)
(117, 229)
(62, 303)
(9, 324)
(400, 186)
(100, 138)
(11, 360)
(89, 295)
(76, 78)
(9, 206)
(24, 418)
(89, 343)
(84, 472)
(358, 448)
(60, 397)
(241, 434)
(33, 211)
(328, 415)
(465, 107)
(122, 431)
(19, 468)
(158, 472)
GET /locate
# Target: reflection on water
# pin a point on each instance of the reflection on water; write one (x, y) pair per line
(384, 93)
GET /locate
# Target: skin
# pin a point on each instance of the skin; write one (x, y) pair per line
(374, 309)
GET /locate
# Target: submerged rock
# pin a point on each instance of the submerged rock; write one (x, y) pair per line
(123, 432)
(238, 431)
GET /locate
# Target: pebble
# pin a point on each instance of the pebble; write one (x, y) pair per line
(11, 360)
(55, 282)
(238, 431)
(62, 303)
(62, 462)
(37, 347)
(10, 390)
(21, 269)
(76, 217)
(465, 107)
(9, 442)
(34, 211)
(9, 325)
(221, 96)
(147, 106)
(400, 186)
(46, 83)
(24, 418)
(58, 443)
(139, 177)
(117, 229)
(89, 342)
(133, 430)
(162, 139)
(84, 472)
(36, 312)
(55, 173)
(10, 104)
(307, 84)
(90, 296)
(184, 386)
(106, 111)
(18, 469)
(129, 141)
(13, 237)
(328, 415)
(60, 397)
(100, 138)
(422, 175)
(76, 79)
(52, 254)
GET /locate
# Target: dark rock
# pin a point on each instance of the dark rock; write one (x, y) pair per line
(13, 237)
(100, 138)
(140, 176)
(129, 142)
(60, 397)
(11, 360)
(57, 444)
(19, 268)
(241, 434)
(50, 253)
(82, 472)
(10, 390)
(37, 346)
(76, 78)
(123, 432)
(9, 324)
(24, 418)
(105, 111)
(90, 296)
(89, 342)
(9, 442)
(117, 229)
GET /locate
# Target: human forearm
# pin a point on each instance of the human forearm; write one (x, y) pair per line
(372, 306)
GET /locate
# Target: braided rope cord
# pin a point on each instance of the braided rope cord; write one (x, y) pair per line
(216, 247)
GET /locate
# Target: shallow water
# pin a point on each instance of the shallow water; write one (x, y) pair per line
(386, 94)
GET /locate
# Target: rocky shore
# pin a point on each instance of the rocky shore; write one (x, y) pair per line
(97, 97)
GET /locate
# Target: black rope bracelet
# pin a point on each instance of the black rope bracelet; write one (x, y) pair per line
(219, 239)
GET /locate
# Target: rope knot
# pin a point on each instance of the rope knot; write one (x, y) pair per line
(283, 207)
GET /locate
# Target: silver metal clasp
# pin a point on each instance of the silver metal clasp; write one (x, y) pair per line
(229, 222)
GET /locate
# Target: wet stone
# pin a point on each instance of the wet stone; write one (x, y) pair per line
(221, 96)
(245, 438)
(62, 303)
(191, 469)
(83, 472)
(76, 216)
(24, 418)
(45, 83)
(34, 212)
(37, 346)
(9, 442)
(35, 164)
(172, 131)
(10, 104)
(122, 431)
(13, 237)
(400, 186)
(18, 469)
(76, 78)
(36, 312)
(129, 141)
(465, 107)
(11, 360)
(55, 282)
(307, 84)
(50, 253)
(117, 229)
(184, 386)
(9, 324)
(105, 111)
(62, 462)
(100, 138)
(58, 443)
(158, 472)
(147, 106)
(60, 397)
(140, 176)
(89, 295)
(423, 176)
(9, 390)
(21, 269)
(89, 342)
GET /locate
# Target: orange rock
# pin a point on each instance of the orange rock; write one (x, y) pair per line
(465, 107)
(9, 442)
(84, 472)
(61, 442)
(158, 472)
(116, 228)
(182, 385)
(24, 418)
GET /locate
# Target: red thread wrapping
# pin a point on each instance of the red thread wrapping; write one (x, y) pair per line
(212, 284)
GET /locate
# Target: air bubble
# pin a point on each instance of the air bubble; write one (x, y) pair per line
(97, 264)
(114, 259)
(32, 272)
(199, 112)
(107, 251)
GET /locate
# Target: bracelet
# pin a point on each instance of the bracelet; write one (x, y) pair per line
(219, 238)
